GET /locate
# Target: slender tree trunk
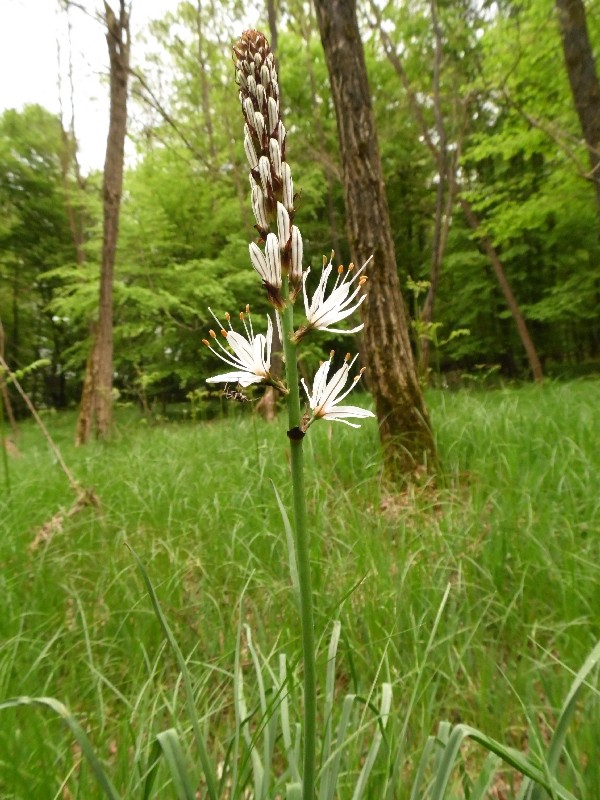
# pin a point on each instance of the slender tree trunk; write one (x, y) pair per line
(473, 221)
(4, 391)
(583, 78)
(403, 421)
(442, 208)
(511, 302)
(97, 392)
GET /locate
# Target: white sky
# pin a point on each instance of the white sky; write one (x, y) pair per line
(29, 67)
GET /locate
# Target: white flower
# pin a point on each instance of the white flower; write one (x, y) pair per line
(251, 357)
(322, 312)
(327, 394)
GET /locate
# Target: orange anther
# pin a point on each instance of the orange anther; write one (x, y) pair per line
(212, 334)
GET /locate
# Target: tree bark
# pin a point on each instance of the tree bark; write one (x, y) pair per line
(97, 391)
(403, 420)
(583, 78)
(511, 302)
(454, 189)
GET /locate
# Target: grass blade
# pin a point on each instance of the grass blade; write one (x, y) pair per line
(508, 754)
(558, 739)
(211, 783)
(384, 712)
(77, 731)
(171, 747)
(289, 536)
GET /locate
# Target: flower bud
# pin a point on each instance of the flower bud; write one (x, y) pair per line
(275, 154)
(259, 124)
(297, 253)
(259, 262)
(249, 149)
(260, 94)
(264, 169)
(265, 76)
(273, 260)
(259, 208)
(248, 110)
(283, 226)
(273, 112)
(288, 186)
(252, 84)
(281, 134)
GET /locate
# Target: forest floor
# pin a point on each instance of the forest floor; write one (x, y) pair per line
(511, 524)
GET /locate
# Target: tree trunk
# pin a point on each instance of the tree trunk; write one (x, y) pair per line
(98, 380)
(511, 302)
(583, 78)
(403, 421)
(5, 397)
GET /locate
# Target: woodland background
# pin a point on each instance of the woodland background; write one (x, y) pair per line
(494, 74)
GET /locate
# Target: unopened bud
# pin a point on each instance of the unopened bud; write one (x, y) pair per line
(259, 261)
(283, 226)
(297, 254)
(273, 260)
(273, 113)
(281, 134)
(288, 186)
(275, 154)
(259, 208)
(264, 169)
(252, 84)
(260, 94)
(265, 75)
(259, 124)
(249, 110)
(249, 149)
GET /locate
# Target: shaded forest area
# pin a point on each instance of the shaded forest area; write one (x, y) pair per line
(490, 170)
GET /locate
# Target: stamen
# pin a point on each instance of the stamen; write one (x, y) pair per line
(348, 356)
(206, 342)
(212, 334)
(223, 333)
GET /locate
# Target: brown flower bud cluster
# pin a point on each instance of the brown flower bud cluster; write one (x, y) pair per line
(271, 182)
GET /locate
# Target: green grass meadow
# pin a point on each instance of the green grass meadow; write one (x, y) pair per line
(511, 524)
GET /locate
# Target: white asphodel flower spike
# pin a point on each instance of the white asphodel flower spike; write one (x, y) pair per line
(251, 356)
(327, 394)
(322, 312)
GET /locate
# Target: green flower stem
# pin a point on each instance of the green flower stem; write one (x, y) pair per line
(302, 554)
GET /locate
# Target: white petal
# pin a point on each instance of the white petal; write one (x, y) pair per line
(243, 378)
(349, 411)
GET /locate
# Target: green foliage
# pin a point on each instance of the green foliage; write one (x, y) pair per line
(510, 526)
